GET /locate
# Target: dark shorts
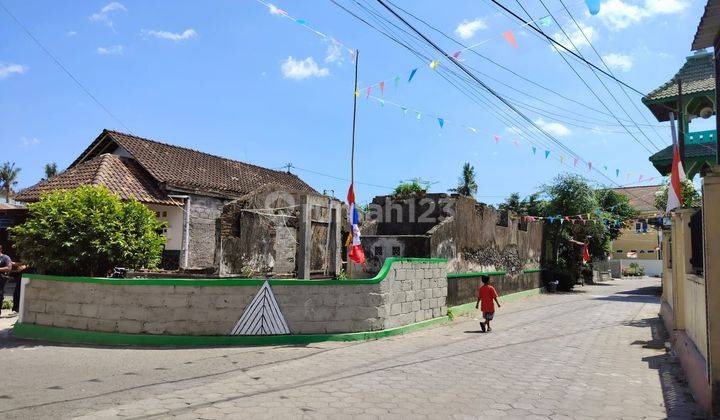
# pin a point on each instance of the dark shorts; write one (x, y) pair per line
(488, 315)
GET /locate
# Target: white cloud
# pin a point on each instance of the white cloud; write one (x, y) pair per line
(619, 61)
(302, 69)
(618, 14)
(186, 34)
(467, 28)
(104, 14)
(27, 143)
(556, 129)
(576, 36)
(71, 33)
(111, 50)
(7, 70)
(334, 53)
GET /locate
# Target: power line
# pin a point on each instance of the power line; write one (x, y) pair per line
(596, 75)
(64, 69)
(552, 40)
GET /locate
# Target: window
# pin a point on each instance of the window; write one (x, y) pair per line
(641, 226)
(396, 251)
(378, 251)
(164, 214)
(642, 251)
(619, 251)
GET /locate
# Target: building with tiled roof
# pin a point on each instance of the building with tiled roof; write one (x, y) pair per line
(641, 240)
(186, 189)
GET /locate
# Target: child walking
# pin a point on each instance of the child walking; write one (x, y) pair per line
(487, 294)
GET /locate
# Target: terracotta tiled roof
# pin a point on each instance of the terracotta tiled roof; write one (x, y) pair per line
(192, 170)
(122, 176)
(642, 198)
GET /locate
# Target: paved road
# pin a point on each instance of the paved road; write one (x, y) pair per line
(597, 353)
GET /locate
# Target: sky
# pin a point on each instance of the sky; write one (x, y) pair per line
(242, 80)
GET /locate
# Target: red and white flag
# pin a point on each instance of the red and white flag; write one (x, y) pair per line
(677, 174)
(355, 249)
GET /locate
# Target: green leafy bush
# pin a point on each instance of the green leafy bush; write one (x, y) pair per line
(634, 270)
(409, 189)
(87, 231)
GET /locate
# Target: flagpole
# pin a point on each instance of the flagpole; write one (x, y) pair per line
(355, 97)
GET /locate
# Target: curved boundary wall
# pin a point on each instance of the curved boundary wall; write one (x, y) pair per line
(406, 291)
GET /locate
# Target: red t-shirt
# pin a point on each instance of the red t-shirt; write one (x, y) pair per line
(486, 294)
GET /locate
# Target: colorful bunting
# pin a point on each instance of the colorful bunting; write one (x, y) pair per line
(301, 21)
(589, 166)
(547, 153)
(510, 38)
(434, 64)
(593, 6)
(382, 88)
(562, 159)
(617, 172)
(441, 122)
(368, 91)
(412, 74)
(534, 149)
(497, 138)
(397, 82)
(545, 21)
(456, 55)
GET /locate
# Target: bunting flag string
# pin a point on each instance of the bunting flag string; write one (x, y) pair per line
(443, 122)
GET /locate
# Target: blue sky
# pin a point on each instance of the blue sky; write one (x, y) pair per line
(233, 79)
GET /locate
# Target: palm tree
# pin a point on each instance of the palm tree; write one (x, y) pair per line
(466, 183)
(8, 178)
(50, 170)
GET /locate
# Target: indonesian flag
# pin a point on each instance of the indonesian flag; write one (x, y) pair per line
(677, 174)
(356, 252)
(586, 253)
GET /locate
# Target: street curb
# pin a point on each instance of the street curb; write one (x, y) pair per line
(468, 308)
(73, 336)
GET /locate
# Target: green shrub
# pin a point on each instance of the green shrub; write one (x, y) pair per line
(87, 231)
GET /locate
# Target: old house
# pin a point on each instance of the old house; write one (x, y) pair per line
(186, 188)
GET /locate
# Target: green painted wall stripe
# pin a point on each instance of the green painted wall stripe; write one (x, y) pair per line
(235, 281)
(68, 335)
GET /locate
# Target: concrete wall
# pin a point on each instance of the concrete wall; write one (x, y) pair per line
(410, 292)
(652, 267)
(464, 289)
(204, 211)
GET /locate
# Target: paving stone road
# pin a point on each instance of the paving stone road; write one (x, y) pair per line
(596, 353)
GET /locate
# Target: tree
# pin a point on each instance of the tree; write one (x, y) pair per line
(88, 231)
(513, 203)
(531, 205)
(8, 178)
(466, 183)
(571, 195)
(691, 196)
(50, 170)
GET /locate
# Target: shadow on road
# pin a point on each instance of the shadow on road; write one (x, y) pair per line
(678, 400)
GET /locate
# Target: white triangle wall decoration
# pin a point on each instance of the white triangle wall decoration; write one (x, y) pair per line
(262, 316)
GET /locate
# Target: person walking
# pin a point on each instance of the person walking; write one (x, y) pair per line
(6, 265)
(486, 295)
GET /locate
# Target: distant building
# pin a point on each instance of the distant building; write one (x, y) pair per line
(185, 188)
(641, 240)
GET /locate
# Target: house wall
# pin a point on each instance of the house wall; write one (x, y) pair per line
(407, 292)
(172, 216)
(645, 244)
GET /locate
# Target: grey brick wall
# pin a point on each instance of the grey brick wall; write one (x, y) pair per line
(412, 292)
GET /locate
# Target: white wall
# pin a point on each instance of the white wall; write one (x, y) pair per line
(173, 218)
(652, 267)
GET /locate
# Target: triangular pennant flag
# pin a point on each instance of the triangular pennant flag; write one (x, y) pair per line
(397, 81)
(510, 38)
(262, 316)
(545, 21)
(575, 161)
(496, 138)
(434, 64)
(419, 115)
(301, 21)
(605, 167)
(456, 55)
(404, 110)
(547, 153)
(593, 6)
(382, 88)
(441, 122)
(382, 102)
(562, 159)
(534, 149)
(368, 92)
(617, 172)
(412, 74)
(589, 166)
